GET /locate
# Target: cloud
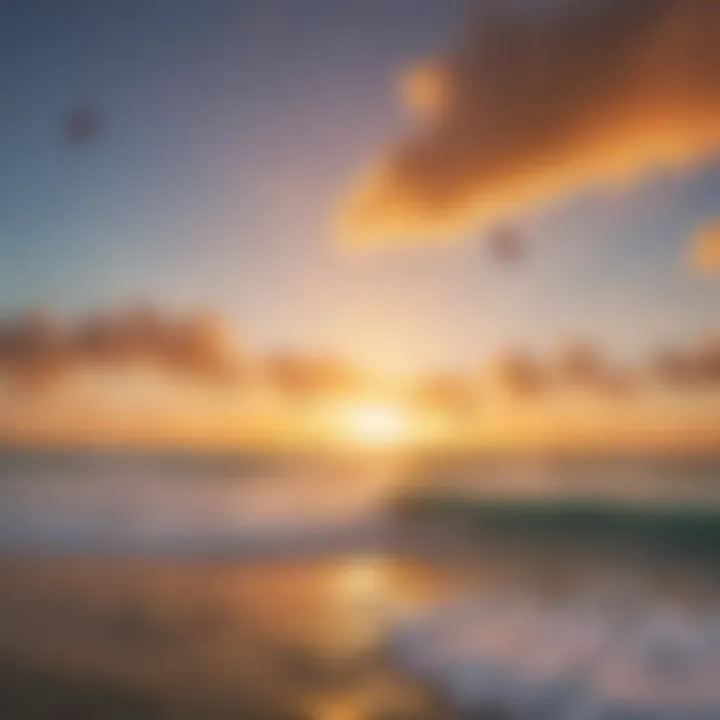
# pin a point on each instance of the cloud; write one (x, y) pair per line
(34, 349)
(539, 100)
(517, 372)
(37, 349)
(697, 366)
(304, 377)
(673, 367)
(705, 250)
(708, 359)
(450, 394)
(582, 365)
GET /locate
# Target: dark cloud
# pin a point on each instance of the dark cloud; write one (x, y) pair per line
(38, 349)
(540, 99)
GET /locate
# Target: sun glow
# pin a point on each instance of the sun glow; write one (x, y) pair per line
(376, 423)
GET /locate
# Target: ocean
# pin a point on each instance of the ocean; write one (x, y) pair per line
(161, 584)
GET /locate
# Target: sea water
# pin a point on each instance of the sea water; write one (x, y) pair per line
(208, 581)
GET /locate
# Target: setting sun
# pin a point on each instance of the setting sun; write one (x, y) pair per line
(377, 423)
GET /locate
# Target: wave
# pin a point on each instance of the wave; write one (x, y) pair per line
(522, 658)
(184, 503)
(659, 525)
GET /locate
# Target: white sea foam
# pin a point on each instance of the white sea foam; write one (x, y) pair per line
(566, 661)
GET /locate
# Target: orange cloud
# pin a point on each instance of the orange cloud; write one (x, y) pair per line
(37, 349)
(518, 373)
(582, 365)
(303, 377)
(705, 250)
(698, 365)
(450, 394)
(539, 101)
(564, 395)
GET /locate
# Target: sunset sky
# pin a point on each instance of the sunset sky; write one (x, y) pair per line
(231, 132)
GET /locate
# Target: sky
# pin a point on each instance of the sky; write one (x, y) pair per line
(231, 129)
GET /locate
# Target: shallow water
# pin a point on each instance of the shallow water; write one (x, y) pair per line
(201, 638)
(223, 586)
(97, 501)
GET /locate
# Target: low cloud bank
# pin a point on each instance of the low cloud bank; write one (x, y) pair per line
(38, 349)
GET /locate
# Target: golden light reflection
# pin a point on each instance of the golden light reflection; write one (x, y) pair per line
(360, 593)
(361, 580)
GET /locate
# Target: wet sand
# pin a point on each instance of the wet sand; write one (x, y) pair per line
(153, 638)
(300, 637)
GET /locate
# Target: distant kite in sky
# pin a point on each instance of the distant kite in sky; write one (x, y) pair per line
(82, 126)
(506, 244)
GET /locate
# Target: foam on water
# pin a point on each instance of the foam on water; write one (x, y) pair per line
(571, 660)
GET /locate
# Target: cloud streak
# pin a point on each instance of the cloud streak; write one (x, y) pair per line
(539, 100)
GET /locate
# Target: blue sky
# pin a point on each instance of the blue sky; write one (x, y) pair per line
(232, 128)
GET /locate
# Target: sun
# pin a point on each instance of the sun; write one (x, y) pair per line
(376, 423)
